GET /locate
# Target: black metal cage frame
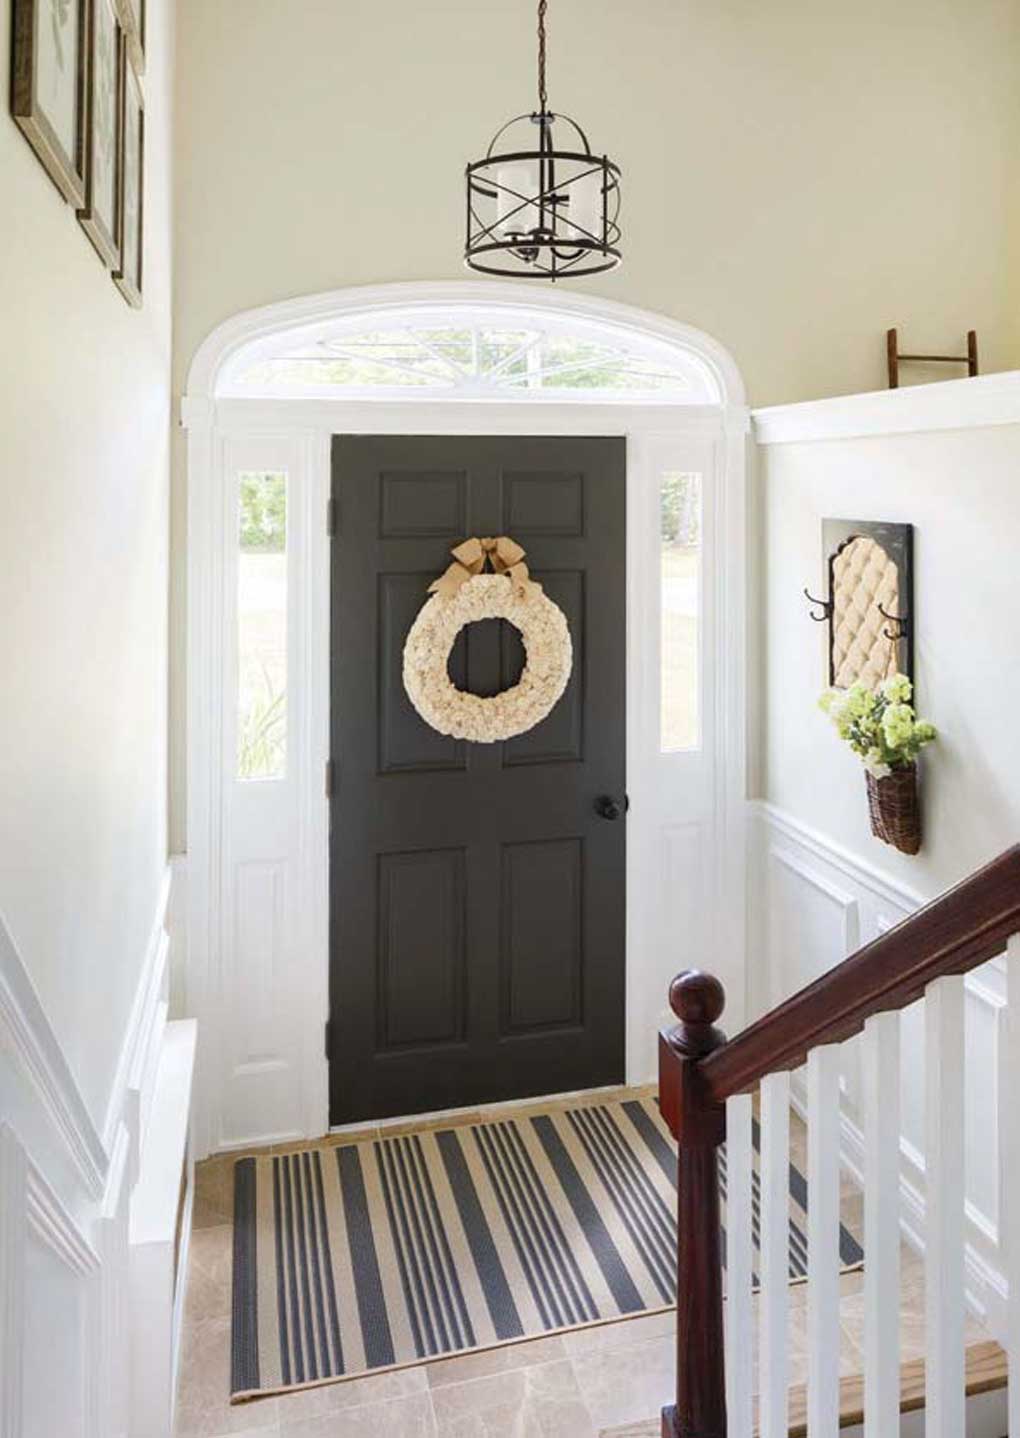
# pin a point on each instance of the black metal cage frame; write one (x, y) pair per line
(556, 246)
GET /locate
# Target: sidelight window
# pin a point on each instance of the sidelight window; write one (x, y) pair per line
(680, 596)
(262, 626)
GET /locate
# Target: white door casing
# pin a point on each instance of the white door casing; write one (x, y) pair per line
(258, 924)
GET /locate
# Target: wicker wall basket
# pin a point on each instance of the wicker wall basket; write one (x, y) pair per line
(894, 808)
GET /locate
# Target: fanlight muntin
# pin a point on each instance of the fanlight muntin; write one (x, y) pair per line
(468, 350)
(544, 214)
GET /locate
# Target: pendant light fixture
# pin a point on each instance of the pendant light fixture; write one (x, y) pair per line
(540, 212)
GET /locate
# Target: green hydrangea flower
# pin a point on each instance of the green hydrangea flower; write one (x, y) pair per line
(879, 725)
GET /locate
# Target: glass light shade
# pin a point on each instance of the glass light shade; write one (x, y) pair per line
(584, 211)
(515, 183)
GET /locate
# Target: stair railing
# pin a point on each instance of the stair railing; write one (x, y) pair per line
(706, 1086)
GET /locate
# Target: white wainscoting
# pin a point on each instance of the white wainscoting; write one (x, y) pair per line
(65, 1197)
(811, 904)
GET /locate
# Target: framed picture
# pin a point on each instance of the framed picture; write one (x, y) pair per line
(128, 275)
(132, 19)
(48, 89)
(98, 214)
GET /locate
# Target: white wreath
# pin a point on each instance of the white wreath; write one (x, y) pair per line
(543, 629)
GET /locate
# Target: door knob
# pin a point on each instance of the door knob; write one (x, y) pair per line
(606, 807)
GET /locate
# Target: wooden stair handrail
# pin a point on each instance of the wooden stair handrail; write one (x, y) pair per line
(699, 1071)
(963, 928)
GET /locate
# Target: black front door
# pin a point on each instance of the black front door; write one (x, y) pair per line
(476, 890)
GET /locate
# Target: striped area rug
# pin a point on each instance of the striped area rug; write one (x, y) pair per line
(370, 1255)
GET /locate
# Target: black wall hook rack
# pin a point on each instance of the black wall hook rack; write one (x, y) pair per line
(901, 621)
(897, 542)
(825, 605)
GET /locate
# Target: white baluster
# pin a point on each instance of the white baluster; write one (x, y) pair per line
(739, 1267)
(1009, 1170)
(773, 1311)
(823, 1241)
(944, 1209)
(880, 1063)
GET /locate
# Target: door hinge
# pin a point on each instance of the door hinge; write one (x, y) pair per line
(328, 1038)
(331, 516)
(329, 779)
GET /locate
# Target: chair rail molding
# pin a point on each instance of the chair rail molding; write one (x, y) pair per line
(139, 1054)
(950, 404)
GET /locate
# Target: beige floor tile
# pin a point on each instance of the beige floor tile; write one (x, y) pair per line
(203, 1405)
(467, 1366)
(912, 1317)
(620, 1334)
(214, 1193)
(851, 1214)
(408, 1417)
(540, 1401)
(626, 1384)
(210, 1264)
(370, 1389)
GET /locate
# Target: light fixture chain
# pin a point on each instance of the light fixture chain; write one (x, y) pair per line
(543, 103)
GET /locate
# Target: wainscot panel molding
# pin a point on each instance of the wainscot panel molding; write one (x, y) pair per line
(951, 404)
(814, 902)
(26, 1033)
(48, 1271)
(65, 1205)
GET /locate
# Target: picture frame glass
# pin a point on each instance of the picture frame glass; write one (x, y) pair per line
(104, 137)
(58, 42)
(131, 237)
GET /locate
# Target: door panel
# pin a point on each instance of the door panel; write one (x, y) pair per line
(541, 947)
(549, 504)
(477, 900)
(421, 960)
(405, 743)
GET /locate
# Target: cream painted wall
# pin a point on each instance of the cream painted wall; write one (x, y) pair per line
(798, 175)
(84, 467)
(959, 490)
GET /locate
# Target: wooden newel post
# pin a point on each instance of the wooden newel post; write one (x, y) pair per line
(699, 1126)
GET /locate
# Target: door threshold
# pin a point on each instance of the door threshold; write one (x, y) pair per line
(473, 1112)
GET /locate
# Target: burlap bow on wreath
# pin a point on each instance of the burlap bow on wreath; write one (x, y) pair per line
(471, 556)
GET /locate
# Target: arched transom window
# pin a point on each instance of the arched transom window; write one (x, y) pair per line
(468, 352)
